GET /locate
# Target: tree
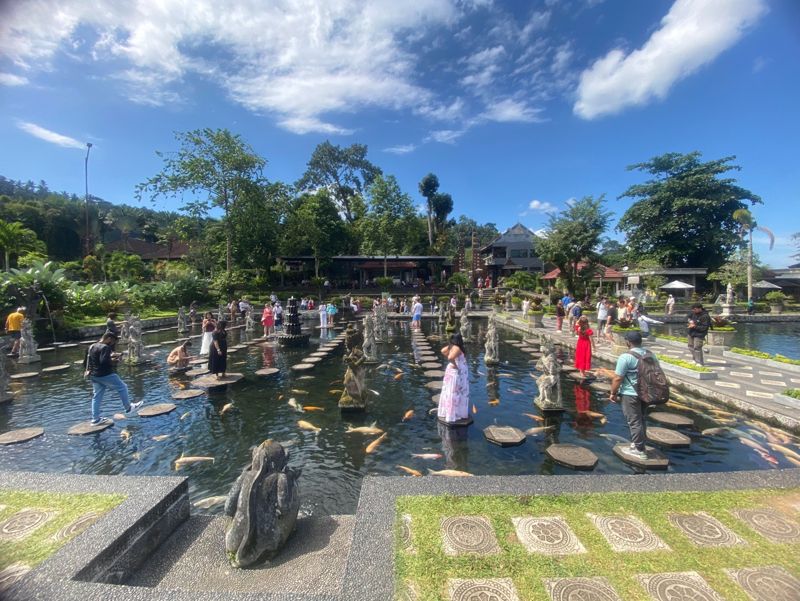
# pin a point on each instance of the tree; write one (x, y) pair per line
(684, 216)
(126, 219)
(16, 239)
(255, 222)
(459, 281)
(613, 253)
(521, 280)
(215, 162)
(747, 224)
(428, 187)
(573, 235)
(344, 172)
(281, 268)
(734, 270)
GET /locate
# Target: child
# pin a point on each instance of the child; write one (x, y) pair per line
(585, 346)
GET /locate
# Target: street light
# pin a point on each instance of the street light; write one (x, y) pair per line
(86, 177)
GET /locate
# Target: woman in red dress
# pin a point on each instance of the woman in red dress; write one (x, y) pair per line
(585, 347)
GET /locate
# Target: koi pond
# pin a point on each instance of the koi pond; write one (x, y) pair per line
(333, 460)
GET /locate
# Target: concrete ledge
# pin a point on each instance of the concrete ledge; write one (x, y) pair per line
(765, 362)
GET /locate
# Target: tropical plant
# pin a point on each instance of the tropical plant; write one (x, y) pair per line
(16, 239)
(384, 282)
(29, 285)
(521, 280)
(459, 281)
(775, 297)
(281, 268)
(747, 224)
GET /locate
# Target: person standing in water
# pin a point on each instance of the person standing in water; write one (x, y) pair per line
(454, 399)
(209, 325)
(218, 357)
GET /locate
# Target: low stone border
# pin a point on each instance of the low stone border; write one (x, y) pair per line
(765, 362)
(688, 373)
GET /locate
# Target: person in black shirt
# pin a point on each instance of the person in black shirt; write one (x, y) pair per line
(218, 353)
(699, 321)
(100, 362)
(111, 325)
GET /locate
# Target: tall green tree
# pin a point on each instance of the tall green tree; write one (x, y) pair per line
(573, 237)
(16, 239)
(314, 227)
(429, 187)
(735, 269)
(683, 217)
(747, 223)
(255, 222)
(345, 172)
(214, 162)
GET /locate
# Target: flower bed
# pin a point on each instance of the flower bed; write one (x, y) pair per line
(685, 368)
(775, 361)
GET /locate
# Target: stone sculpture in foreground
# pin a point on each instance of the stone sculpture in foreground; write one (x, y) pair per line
(353, 397)
(263, 503)
(27, 344)
(549, 383)
(492, 352)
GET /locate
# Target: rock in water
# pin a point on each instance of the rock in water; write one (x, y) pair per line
(263, 502)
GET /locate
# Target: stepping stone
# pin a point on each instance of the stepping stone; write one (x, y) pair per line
(576, 589)
(627, 533)
(21, 435)
(670, 419)
(435, 399)
(198, 361)
(69, 345)
(189, 393)
(76, 527)
(147, 346)
(302, 366)
(11, 575)
(547, 535)
(434, 373)
(678, 585)
(211, 381)
(197, 371)
(46, 349)
(504, 436)
(157, 409)
(24, 523)
(459, 423)
(87, 342)
(434, 385)
(468, 534)
(656, 460)
(312, 360)
(321, 354)
(704, 530)
(267, 371)
(235, 349)
(26, 375)
(668, 438)
(431, 365)
(572, 456)
(771, 583)
(770, 524)
(568, 368)
(484, 589)
(405, 534)
(604, 387)
(85, 428)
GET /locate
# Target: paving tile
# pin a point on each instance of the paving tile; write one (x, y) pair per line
(771, 374)
(774, 383)
(547, 535)
(678, 586)
(627, 533)
(770, 524)
(760, 395)
(405, 533)
(468, 534)
(407, 592)
(23, 523)
(726, 384)
(740, 374)
(12, 574)
(716, 361)
(771, 583)
(704, 530)
(490, 589)
(78, 526)
(578, 589)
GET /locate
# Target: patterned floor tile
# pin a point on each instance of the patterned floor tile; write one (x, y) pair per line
(774, 383)
(492, 589)
(771, 583)
(770, 374)
(580, 589)
(678, 586)
(405, 534)
(760, 395)
(726, 384)
(627, 533)
(11, 575)
(770, 524)
(407, 592)
(547, 535)
(740, 374)
(704, 530)
(78, 526)
(468, 534)
(23, 523)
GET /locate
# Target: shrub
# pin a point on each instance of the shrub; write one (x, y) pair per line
(792, 392)
(776, 297)
(684, 364)
(760, 355)
(516, 301)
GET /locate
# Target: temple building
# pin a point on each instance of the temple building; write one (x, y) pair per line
(511, 251)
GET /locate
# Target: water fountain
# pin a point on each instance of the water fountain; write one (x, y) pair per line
(292, 332)
(27, 344)
(249, 324)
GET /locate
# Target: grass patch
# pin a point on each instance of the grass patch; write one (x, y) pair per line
(83, 321)
(429, 569)
(760, 355)
(675, 338)
(683, 364)
(792, 392)
(41, 544)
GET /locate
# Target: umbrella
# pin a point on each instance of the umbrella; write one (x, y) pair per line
(677, 285)
(766, 284)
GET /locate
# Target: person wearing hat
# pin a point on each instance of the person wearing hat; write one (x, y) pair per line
(623, 391)
(100, 363)
(14, 328)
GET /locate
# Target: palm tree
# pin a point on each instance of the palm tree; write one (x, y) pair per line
(16, 239)
(747, 224)
(126, 220)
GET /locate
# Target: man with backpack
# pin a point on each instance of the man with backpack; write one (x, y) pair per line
(638, 383)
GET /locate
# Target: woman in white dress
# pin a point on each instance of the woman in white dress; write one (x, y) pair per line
(454, 398)
(209, 325)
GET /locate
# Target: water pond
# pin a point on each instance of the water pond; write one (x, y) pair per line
(773, 338)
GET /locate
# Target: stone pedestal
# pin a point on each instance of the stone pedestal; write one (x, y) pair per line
(728, 310)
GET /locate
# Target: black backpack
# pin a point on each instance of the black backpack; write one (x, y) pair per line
(652, 387)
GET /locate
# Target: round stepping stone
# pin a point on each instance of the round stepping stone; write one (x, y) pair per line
(435, 399)
(435, 385)
(656, 460)
(431, 365)
(667, 438)
(197, 371)
(568, 368)
(321, 354)
(199, 361)
(267, 371)
(85, 428)
(21, 435)
(56, 368)
(157, 409)
(568, 589)
(26, 375)
(504, 436)
(46, 349)
(677, 585)
(770, 524)
(302, 366)
(767, 584)
(211, 381)
(233, 350)
(459, 423)
(603, 387)
(468, 535)
(670, 419)
(312, 360)
(434, 373)
(87, 342)
(572, 456)
(189, 393)
(150, 346)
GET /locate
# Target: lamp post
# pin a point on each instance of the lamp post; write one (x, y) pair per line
(86, 178)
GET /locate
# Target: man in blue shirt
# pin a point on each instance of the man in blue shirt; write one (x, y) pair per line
(623, 390)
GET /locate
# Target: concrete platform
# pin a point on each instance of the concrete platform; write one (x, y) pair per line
(193, 559)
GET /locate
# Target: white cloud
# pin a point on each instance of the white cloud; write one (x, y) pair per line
(50, 136)
(544, 207)
(508, 110)
(401, 149)
(759, 63)
(541, 233)
(537, 22)
(9, 79)
(445, 136)
(692, 34)
(570, 201)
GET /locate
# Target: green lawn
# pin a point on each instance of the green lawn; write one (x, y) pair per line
(430, 568)
(42, 543)
(78, 321)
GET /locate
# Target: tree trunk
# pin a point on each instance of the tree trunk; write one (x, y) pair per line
(750, 265)
(385, 266)
(7, 258)
(430, 224)
(316, 266)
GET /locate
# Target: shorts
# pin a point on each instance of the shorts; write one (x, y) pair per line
(416, 317)
(15, 334)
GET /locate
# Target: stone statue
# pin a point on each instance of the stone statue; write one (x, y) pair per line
(509, 304)
(466, 327)
(249, 324)
(451, 319)
(549, 383)
(181, 320)
(370, 348)
(27, 344)
(353, 398)
(263, 503)
(5, 395)
(492, 353)
(443, 312)
(125, 331)
(135, 354)
(382, 322)
(729, 294)
(221, 314)
(526, 305)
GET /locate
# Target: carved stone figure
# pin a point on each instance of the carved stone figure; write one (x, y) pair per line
(263, 503)
(370, 348)
(729, 294)
(451, 319)
(124, 332)
(222, 314)
(5, 395)
(27, 344)
(181, 320)
(549, 383)
(382, 322)
(466, 327)
(353, 398)
(509, 304)
(526, 304)
(135, 352)
(249, 324)
(443, 312)
(492, 353)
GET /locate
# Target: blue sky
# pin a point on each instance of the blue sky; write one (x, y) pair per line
(516, 106)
